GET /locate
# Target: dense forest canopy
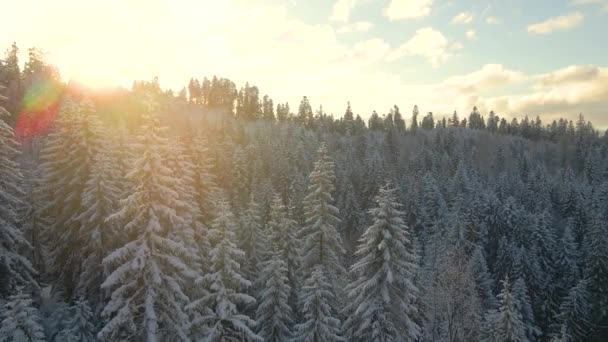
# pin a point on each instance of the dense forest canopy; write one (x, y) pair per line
(214, 214)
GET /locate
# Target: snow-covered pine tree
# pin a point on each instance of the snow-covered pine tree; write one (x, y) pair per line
(567, 260)
(67, 161)
(15, 268)
(524, 306)
(78, 325)
(20, 319)
(506, 325)
(483, 280)
(35, 221)
(543, 239)
(241, 184)
(297, 192)
(490, 329)
(428, 203)
(183, 173)
(596, 270)
(383, 293)
(322, 244)
(351, 217)
(574, 313)
(274, 315)
(218, 313)
(97, 236)
(202, 190)
(508, 261)
(434, 261)
(148, 272)
(194, 187)
(251, 240)
(320, 322)
(54, 311)
(281, 230)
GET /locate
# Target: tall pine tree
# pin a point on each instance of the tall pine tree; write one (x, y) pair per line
(98, 201)
(382, 296)
(506, 325)
(15, 268)
(148, 272)
(274, 315)
(322, 244)
(66, 174)
(219, 315)
(320, 322)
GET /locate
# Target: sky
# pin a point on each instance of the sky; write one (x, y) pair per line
(517, 57)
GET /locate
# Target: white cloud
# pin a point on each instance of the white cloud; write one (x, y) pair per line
(489, 77)
(569, 75)
(404, 9)
(341, 10)
(428, 43)
(492, 20)
(563, 22)
(560, 93)
(471, 34)
(360, 26)
(463, 18)
(565, 92)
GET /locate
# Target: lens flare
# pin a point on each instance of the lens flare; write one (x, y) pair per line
(39, 108)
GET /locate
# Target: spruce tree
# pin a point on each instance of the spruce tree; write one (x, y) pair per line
(567, 260)
(524, 306)
(66, 175)
(507, 323)
(281, 231)
(15, 268)
(596, 271)
(574, 313)
(147, 274)
(251, 239)
(351, 221)
(98, 201)
(320, 322)
(414, 125)
(200, 190)
(20, 320)
(36, 220)
(399, 122)
(322, 244)
(383, 295)
(483, 281)
(218, 313)
(78, 324)
(204, 187)
(274, 315)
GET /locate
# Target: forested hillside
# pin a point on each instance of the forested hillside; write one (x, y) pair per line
(214, 215)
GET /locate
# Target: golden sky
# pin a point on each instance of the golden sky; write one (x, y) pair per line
(441, 55)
